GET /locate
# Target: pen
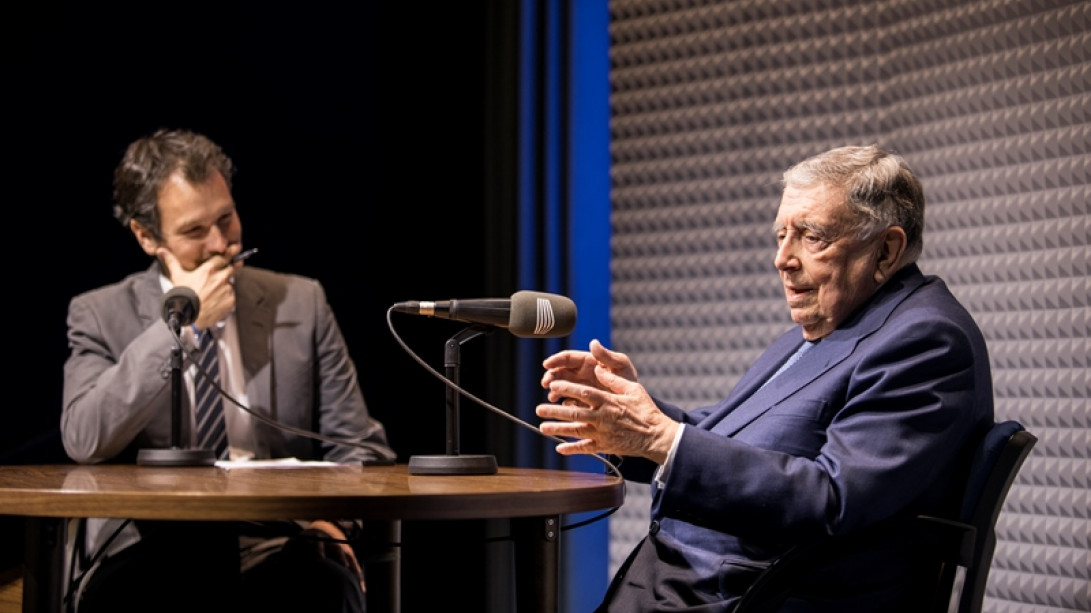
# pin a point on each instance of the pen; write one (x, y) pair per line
(243, 255)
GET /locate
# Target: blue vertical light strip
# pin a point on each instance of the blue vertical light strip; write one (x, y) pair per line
(542, 197)
(554, 169)
(586, 550)
(553, 156)
(564, 230)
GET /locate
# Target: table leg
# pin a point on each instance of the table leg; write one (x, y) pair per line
(381, 550)
(537, 547)
(42, 577)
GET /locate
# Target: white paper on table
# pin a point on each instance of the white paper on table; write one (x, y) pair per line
(277, 463)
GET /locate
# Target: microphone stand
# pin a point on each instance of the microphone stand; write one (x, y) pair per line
(454, 463)
(175, 455)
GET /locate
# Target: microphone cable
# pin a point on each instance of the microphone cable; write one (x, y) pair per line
(383, 455)
(609, 465)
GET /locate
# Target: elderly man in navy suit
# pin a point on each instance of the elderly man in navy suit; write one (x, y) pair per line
(860, 415)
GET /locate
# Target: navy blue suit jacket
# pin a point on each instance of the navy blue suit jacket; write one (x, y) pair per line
(872, 424)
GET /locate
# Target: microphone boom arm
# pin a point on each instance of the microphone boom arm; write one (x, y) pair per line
(454, 463)
(452, 359)
(175, 390)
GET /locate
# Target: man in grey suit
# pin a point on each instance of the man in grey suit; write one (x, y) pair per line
(861, 415)
(281, 356)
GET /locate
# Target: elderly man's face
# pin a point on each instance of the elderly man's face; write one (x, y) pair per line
(827, 273)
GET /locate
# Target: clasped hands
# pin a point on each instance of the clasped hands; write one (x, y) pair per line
(328, 540)
(602, 406)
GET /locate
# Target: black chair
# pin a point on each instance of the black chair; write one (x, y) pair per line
(966, 543)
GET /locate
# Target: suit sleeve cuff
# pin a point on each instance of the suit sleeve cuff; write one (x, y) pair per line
(664, 469)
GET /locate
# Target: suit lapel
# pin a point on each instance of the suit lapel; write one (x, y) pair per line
(254, 320)
(148, 296)
(762, 369)
(812, 365)
(744, 405)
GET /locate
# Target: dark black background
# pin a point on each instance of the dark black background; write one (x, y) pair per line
(360, 134)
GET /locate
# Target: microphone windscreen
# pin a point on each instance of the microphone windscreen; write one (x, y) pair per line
(182, 302)
(541, 315)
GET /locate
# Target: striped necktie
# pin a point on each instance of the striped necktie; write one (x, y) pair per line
(211, 431)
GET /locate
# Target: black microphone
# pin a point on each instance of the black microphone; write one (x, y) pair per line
(180, 307)
(526, 313)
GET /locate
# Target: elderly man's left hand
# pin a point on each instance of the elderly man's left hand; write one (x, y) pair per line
(611, 415)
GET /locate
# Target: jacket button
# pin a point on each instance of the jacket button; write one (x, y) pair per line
(654, 528)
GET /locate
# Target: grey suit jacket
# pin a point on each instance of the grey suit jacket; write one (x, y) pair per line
(297, 370)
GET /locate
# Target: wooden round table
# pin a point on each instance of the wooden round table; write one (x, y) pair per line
(383, 496)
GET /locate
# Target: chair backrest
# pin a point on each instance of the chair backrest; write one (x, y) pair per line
(967, 542)
(995, 465)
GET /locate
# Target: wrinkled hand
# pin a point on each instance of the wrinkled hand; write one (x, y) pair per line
(329, 542)
(579, 367)
(602, 406)
(212, 281)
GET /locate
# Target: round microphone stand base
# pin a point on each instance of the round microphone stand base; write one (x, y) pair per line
(176, 457)
(452, 465)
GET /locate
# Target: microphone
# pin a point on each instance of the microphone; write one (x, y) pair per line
(526, 313)
(180, 307)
